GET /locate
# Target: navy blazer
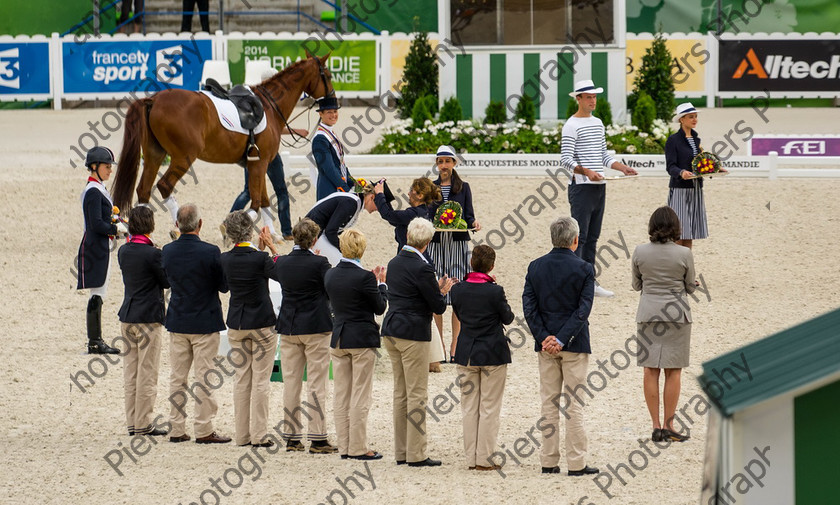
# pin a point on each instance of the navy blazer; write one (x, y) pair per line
(305, 308)
(482, 309)
(559, 288)
(399, 219)
(194, 271)
(678, 156)
(413, 295)
(355, 298)
(329, 169)
(464, 197)
(144, 281)
(247, 271)
(333, 215)
(94, 251)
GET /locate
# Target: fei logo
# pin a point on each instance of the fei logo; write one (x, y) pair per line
(10, 68)
(804, 147)
(169, 65)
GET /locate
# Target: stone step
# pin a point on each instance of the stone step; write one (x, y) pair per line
(238, 21)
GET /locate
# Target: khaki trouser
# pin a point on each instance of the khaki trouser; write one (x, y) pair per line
(568, 367)
(410, 362)
(194, 350)
(252, 355)
(313, 352)
(140, 372)
(482, 388)
(353, 386)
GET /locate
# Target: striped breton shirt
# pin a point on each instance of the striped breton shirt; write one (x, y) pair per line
(584, 143)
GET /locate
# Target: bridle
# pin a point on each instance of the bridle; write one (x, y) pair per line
(262, 90)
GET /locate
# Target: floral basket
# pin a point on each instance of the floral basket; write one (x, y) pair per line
(448, 217)
(705, 163)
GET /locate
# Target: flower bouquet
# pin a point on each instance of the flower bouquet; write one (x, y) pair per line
(359, 185)
(705, 163)
(448, 217)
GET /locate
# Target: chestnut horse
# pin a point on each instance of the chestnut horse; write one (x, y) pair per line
(185, 125)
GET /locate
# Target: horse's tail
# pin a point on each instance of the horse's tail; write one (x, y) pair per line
(136, 130)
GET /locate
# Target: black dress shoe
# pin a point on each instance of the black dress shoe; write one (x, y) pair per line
(295, 446)
(100, 347)
(551, 469)
(425, 462)
(182, 438)
(157, 432)
(587, 470)
(673, 436)
(267, 443)
(344, 456)
(400, 461)
(367, 457)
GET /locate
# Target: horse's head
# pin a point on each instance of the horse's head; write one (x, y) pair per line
(320, 82)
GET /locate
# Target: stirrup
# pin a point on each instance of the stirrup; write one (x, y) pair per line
(253, 158)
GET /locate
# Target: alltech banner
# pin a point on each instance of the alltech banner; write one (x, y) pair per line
(786, 65)
(352, 63)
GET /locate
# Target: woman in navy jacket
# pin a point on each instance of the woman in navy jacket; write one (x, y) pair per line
(95, 249)
(250, 321)
(141, 320)
(421, 195)
(685, 195)
(449, 250)
(482, 356)
(356, 295)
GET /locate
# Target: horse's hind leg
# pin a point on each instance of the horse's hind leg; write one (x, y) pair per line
(152, 158)
(166, 185)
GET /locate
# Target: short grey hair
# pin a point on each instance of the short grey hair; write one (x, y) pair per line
(188, 218)
(420, 232)
(563, 232)
(238, 226)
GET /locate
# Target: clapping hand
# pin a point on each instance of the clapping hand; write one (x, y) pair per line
(266, 240)
(379, 272)
(445, 283)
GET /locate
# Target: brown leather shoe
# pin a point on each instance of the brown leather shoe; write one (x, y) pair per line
(212, 438)
(182, 438)
(487, 468)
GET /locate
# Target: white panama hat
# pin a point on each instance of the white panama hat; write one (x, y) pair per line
(446, 151)
(585, 86)
(683, 109)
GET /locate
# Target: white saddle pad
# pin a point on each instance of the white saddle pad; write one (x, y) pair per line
(229, 117)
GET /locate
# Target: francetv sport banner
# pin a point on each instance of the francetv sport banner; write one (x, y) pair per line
(802, 66)
(352, 63)
(114, 68)
(25, 70)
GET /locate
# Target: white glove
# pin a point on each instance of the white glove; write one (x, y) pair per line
(122, 229)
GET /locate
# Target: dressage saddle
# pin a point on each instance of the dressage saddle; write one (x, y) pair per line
(248, 106)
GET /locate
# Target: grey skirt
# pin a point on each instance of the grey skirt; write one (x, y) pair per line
(690, 207)
(663, 344)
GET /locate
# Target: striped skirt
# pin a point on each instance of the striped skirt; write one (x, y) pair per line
(450, 258)
(690, 207)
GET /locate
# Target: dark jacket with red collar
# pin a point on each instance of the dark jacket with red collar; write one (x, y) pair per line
(413, 295)
(305, 308)
(678, 156)
(399, 219)
(247, 272)
(94, 251)
(144, 280)
(482, 308)
(559, 288)
(355, 298)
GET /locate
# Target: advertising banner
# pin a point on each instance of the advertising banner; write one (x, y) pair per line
(114, 68)
(352, 63)
(24, 70)
(788, 145)
(688, 67)
(786, 65)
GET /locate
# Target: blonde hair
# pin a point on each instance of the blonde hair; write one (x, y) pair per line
(352, 243)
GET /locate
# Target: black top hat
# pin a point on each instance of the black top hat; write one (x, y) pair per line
(329, 102)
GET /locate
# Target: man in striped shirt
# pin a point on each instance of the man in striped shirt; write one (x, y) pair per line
(583, 152)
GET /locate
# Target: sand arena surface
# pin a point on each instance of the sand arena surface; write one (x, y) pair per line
(764, 270)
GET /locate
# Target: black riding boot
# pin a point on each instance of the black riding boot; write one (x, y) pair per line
(94, 328)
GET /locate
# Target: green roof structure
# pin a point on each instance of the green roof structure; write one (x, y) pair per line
(774, 365)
